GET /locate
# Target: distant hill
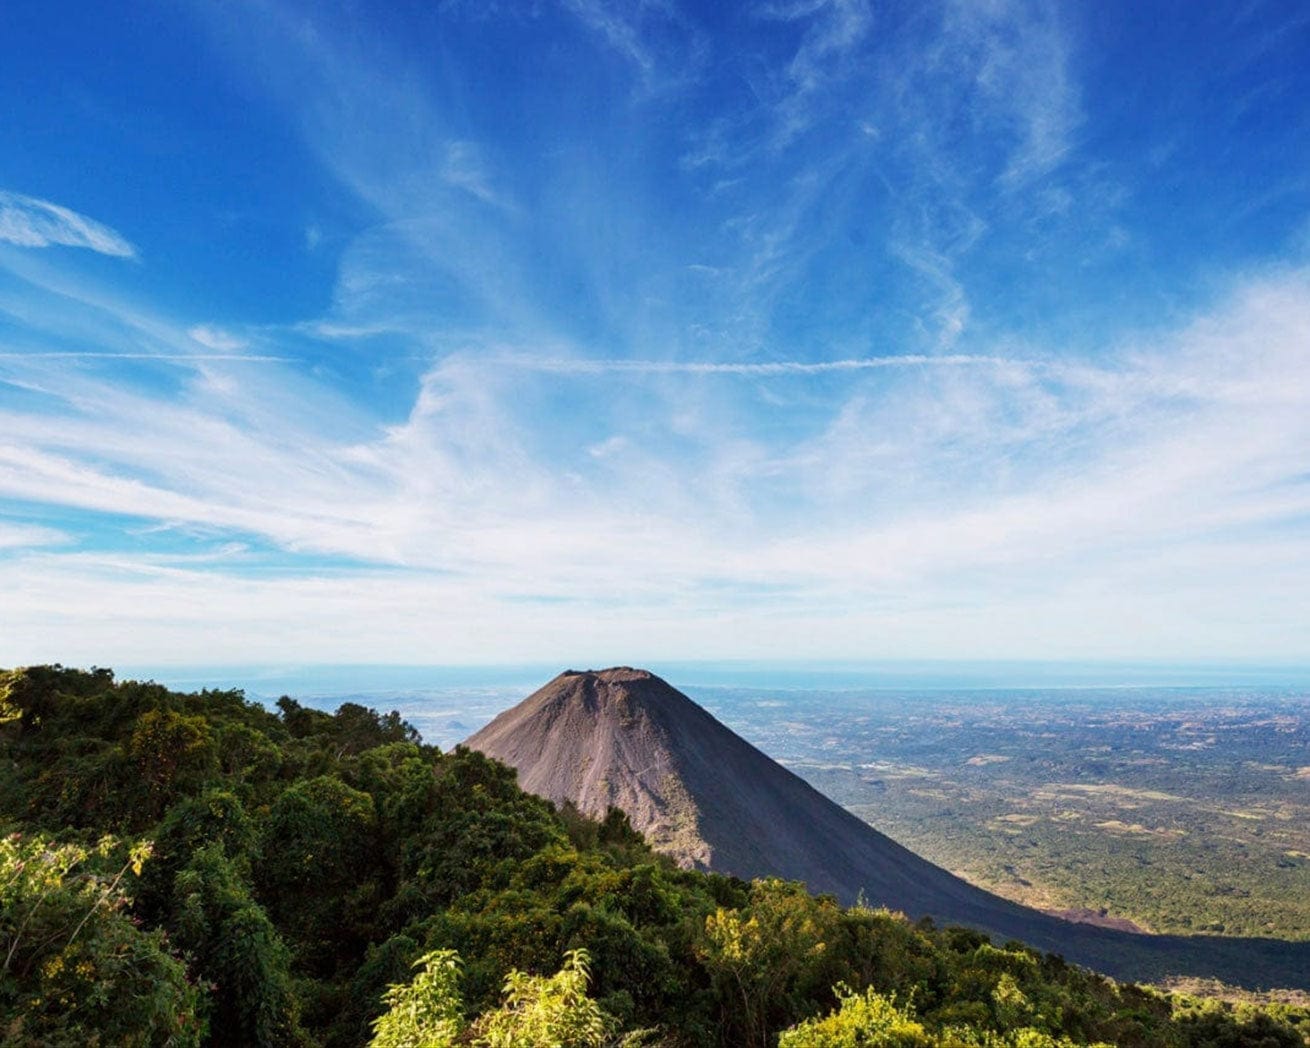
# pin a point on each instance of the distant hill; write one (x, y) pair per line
(700, 793)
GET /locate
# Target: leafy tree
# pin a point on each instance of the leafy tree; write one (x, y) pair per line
(873, 1020)
(213, 817)
(548, 1011)
(536, 1011)
(233, 943)
(30, 695)
(302, 721)
(426, 1012)
(868, 1020)
(760, 955)
(1209, 1024)
(318, 854)
(477, 823)
(76, 970)
(351, 730)
(246, 753)
(167, 747)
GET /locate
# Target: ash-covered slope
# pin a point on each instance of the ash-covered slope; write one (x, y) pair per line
(703, 795)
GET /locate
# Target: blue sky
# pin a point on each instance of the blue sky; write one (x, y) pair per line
(589, 332)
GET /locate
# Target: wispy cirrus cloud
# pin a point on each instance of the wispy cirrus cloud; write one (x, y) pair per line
(617, 27)
(558, 368)
(26, 536)
(163, 358)
(216, 338)
(976, 128)
(1062, 547)
(916, 137)
(758, 369)
(654, 37)
(66, 318)
(1018, 55)
(31, 222)
(828, 49)
(885, 506)
(1043, 460)
(465, 169)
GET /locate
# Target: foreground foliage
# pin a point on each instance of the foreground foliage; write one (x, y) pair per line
(537, 1010)
(76, 969)
(329, 879)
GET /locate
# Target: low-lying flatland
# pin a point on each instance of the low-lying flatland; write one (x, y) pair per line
(1178, 810)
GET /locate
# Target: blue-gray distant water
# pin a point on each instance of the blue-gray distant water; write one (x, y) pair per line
(449, 703)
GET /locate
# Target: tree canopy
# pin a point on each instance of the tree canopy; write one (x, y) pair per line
(194, 868)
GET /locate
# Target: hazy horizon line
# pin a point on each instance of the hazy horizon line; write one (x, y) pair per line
(793, 674)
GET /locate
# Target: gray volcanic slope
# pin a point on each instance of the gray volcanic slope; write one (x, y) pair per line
(711, 800)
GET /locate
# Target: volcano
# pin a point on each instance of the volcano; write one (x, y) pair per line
(710, 800)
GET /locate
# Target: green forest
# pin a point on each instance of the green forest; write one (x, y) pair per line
(197, 869)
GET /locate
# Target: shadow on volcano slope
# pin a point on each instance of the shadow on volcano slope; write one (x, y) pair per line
(703, 795)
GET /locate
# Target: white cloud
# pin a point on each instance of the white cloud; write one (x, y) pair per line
(216, 338)
(1046, 505)
(615, 445)
(1002, 501)
(162, 358)
(1021, 67)
(620, 31)
(60, 310)
(466, 169)
(25, 536)
(758, 369)
(29, 222)
(835, 31)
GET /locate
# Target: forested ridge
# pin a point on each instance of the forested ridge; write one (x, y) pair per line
(196, 869)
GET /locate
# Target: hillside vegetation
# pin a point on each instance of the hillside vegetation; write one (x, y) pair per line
(192, 869)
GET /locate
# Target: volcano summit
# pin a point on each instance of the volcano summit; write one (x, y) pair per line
(701, 794)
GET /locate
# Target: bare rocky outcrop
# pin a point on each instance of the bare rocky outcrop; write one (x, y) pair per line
(615, 738)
